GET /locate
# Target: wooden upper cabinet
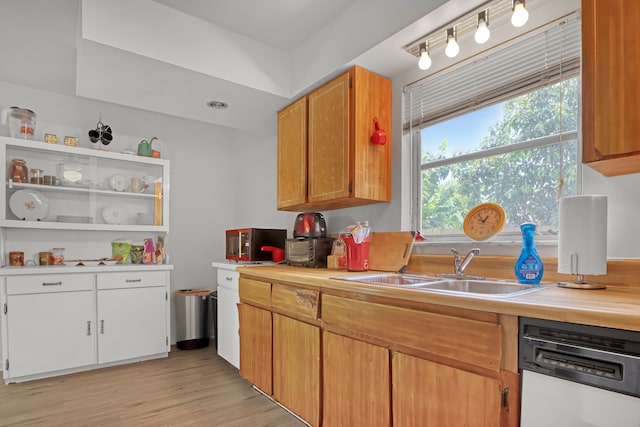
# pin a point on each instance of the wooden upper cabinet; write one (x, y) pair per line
(610, 85)
(329, 123)
(292, 155)
(335, 164)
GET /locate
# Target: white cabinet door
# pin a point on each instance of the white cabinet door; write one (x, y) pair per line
(50, 332)
(131, 323)
(228, 326)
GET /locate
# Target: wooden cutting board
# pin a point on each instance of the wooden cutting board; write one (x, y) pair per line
(390, 251)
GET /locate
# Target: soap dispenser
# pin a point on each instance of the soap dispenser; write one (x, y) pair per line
(529, 268)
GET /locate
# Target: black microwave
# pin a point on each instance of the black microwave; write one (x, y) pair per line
(244, 244)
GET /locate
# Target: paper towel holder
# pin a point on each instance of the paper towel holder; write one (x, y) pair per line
(580, 283)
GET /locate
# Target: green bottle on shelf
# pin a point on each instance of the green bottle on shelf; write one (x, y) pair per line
(529, 268)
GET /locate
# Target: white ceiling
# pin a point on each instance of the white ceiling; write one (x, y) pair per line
(283, 24)
(172, 56)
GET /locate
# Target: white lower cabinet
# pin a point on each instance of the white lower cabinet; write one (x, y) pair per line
(59, 323)
(131, 323)
(50, 332)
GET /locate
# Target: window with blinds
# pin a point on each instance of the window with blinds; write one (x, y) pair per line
(501, 127)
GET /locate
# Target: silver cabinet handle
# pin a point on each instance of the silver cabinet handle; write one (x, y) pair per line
(133, 280)
(102, 327)
(88, 327)
(228, 279)
(52, 283)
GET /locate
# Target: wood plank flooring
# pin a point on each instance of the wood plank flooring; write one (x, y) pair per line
(189, 388)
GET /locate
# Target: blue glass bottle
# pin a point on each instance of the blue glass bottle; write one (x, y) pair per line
(529, 268)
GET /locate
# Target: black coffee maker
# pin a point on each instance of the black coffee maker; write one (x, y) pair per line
(310, 245)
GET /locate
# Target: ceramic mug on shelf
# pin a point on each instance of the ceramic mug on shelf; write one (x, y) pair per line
(16, 259)
(50, 180)
(137, 185)
(45, 258)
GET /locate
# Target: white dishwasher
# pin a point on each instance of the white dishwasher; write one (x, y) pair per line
(578, 375)
(228, 322)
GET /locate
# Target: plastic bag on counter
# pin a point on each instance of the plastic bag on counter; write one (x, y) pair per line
(121, 250)
(360, 231)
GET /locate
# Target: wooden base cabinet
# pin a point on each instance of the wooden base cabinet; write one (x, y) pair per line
(426, 393)
(256, 346)
(610, 86)
(296, 367)
(356, 380)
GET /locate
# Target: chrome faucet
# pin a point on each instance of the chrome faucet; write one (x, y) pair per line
(460, 264)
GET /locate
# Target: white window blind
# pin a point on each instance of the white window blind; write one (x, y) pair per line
(528, 62)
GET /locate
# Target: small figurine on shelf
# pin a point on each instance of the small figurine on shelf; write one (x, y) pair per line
(160, 250)
(148, 254)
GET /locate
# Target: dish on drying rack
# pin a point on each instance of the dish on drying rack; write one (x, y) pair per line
(90, 262)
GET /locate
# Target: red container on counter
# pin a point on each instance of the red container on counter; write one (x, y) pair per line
(357, 254)
(356, 238)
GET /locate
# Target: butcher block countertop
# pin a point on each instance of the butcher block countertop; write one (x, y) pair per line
(614, 307)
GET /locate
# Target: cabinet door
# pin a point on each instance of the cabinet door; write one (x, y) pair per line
(611, 82)
(255, 346)
(356, 383)
(429, 394)
(296, 367)
(292, 155)
(329, 137)
(131, 323)
(49, 332)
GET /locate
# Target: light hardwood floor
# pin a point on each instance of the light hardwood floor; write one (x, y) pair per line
(189, 388)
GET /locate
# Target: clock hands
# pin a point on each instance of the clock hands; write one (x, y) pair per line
(481, 219)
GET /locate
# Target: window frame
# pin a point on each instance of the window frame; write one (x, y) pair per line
(503, 239)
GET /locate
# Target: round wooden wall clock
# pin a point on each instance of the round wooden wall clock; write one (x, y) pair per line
(484, 220)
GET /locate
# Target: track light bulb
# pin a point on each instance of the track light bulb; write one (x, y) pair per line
(425, 60)
(520, 15)
(452, 48)
(482, 31)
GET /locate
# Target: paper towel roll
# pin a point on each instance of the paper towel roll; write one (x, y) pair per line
(583, 232)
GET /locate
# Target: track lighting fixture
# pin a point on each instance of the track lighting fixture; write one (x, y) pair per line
(482, 29)
(425, 61)
(475, 21)
(452, 48)
(520, 14)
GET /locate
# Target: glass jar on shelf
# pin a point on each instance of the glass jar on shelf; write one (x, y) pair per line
(18, 171)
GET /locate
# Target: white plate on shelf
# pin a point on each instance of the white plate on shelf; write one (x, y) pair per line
(113, 214)
(119, 182)
(29, 205)
(75, 219)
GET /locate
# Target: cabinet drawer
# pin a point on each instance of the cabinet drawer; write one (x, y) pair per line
(228, 278)
(296, 301)
(49, 283)
(256, 292)
(471, 341)
(132, 279)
